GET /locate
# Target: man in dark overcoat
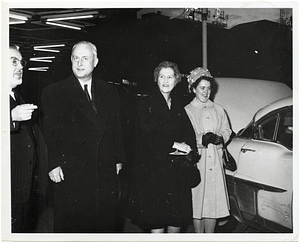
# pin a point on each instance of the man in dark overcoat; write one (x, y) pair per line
(28, 153)
(82, 127)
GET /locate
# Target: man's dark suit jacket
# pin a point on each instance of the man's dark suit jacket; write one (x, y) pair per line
(28, 157)
(87, 147)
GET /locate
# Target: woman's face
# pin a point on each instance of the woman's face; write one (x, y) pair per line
(203, 91)
(166, 80)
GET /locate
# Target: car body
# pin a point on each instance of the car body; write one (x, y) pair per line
(242, 97)
(261, 189)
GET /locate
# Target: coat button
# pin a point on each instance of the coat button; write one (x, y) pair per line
(86, 164)
(30, 162)
(84, 142)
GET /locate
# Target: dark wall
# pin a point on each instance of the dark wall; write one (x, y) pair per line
(131, 48)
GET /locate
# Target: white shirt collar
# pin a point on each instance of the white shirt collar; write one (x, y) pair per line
(89, 83)
(12, 94)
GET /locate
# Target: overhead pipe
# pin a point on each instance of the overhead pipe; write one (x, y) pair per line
(204, 37)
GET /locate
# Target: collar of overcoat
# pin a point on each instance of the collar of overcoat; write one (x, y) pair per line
(77, 95)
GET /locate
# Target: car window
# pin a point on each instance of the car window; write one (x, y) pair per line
(277, 127)
(285, 130)
(247, 132)
(267, 128)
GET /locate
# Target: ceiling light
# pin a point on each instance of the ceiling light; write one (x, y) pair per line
(44, 68)
(45, 48)
(64, 25)
(48, 46)
(17, 22)
(69, 18)
(42, 59)
(17, 16)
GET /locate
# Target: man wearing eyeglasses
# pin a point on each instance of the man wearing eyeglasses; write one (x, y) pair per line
(82, 128)
(28, 152)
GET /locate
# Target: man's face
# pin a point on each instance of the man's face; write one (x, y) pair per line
(83, 62)
(15, 68)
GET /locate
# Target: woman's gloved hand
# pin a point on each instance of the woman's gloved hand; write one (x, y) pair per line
(218, 140)
(208, 138)
(211, 138)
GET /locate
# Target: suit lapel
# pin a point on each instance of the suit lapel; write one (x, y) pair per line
(13, 103)
(23, 124)
(77, 95)
(99, 96)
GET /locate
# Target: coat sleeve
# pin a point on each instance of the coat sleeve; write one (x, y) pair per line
(42, 160)
(188, 133)
(156, 139)
(198, 134)
(14, 125)
(145, 125)
(50, 127)
(225, 130)
(119, 139)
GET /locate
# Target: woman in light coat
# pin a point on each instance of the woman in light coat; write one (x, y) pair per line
(210, 198)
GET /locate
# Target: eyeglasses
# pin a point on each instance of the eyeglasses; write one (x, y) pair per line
(16, 61)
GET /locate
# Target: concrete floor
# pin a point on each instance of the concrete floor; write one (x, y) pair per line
(124, 225)
(45, 224)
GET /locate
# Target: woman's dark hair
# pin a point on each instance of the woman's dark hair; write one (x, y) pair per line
(167, 64)
(207, 78)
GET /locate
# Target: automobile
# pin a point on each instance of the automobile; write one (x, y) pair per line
(242, 97)
(261, 188)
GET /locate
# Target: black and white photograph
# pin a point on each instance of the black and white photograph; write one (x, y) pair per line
(121, 120)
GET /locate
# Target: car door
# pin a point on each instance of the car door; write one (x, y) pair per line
(264, 178)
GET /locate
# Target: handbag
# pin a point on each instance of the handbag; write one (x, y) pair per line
(228, 160)
(185, 169)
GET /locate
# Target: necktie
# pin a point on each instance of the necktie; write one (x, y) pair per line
(87, 92)
(89, 98)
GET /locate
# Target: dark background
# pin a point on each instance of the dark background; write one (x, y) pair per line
(130, 48)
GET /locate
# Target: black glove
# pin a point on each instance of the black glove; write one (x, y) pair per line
(208, 138)
(218, 140)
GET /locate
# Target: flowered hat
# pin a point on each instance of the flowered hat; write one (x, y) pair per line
(196, 73)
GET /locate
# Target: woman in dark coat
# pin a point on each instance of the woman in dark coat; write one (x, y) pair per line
(157, 201)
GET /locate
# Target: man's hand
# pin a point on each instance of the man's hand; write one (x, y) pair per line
(56, 175)
(23, 112)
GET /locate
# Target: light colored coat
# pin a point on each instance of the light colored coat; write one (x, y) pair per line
(210, 198)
